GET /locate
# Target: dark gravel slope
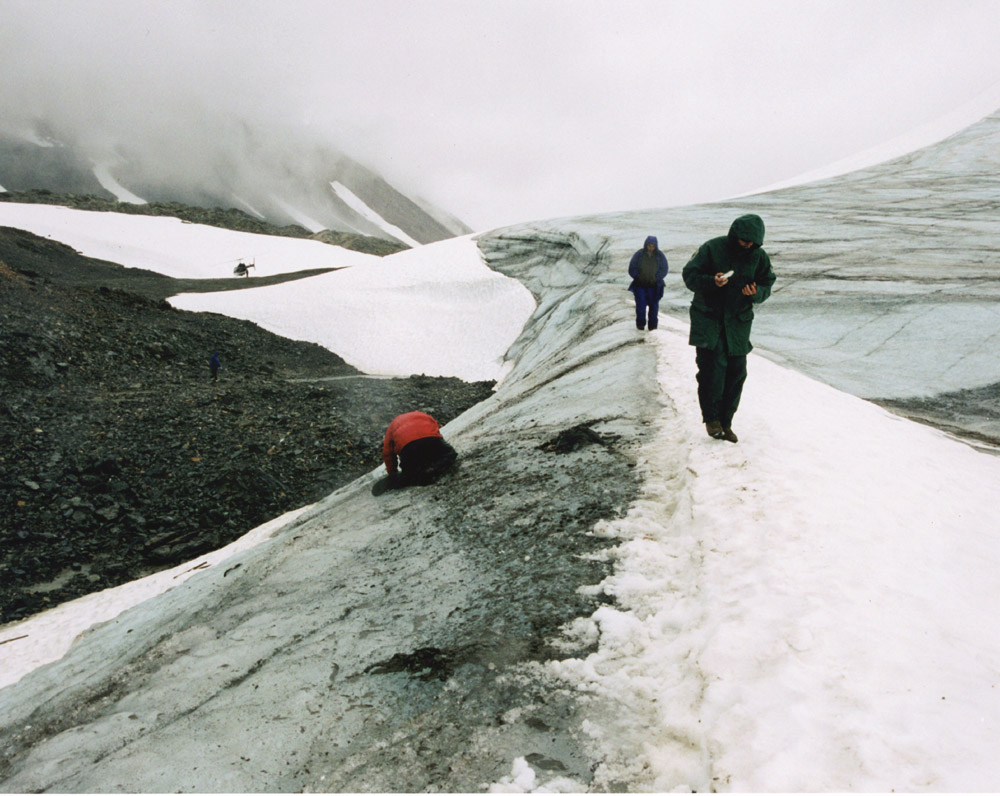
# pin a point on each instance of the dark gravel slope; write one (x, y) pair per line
(119, 456)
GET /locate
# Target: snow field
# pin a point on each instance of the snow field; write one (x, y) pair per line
(437, 310)
(173, 247)
(804, 610)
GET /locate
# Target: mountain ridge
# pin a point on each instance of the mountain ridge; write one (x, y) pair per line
(278, 177)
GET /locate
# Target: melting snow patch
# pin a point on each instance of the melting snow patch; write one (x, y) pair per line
(32, 137)
(249, 207)
(352, 201)
(299, 217)
(103, 173)
(172, 247)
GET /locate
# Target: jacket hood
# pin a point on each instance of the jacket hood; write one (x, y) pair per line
(749, 227)
(651, 239)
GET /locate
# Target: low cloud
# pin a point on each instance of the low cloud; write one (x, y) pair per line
(504, 111)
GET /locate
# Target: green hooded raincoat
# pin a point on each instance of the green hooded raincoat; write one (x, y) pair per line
(717, 311)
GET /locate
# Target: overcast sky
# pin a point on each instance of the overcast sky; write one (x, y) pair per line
(519, 109)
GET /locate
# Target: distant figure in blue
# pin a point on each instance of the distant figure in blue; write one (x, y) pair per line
(214, 363)
(648, 268)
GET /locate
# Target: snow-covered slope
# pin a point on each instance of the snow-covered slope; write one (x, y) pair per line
(174, 247)
(648, 610)
(807, 610)
(438, 311)
(351, 200)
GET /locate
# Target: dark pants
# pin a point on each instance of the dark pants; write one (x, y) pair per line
(646, 298)
(720, 383)
(423, 461)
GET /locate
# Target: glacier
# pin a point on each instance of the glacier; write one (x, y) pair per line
(649, 610)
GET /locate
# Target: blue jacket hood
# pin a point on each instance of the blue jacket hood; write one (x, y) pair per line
(651, 239)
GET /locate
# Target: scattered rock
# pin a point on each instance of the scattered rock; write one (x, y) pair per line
(571, 439)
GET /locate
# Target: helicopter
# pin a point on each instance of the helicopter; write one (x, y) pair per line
(243, 269)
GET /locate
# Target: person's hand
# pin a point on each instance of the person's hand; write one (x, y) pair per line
(721, 279)
(750, 290)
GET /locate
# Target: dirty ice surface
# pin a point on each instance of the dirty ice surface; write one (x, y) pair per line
(807, 610)
(888, 280)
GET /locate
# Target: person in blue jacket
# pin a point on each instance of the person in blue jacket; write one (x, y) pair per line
(214, 363)
(648, 268)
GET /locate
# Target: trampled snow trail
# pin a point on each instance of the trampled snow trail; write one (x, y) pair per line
(800, 611)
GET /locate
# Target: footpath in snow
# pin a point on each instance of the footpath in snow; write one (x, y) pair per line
(809, 609)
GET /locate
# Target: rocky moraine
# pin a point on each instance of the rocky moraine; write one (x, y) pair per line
(120, 457)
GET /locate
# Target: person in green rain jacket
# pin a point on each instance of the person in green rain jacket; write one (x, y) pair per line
(728, 275)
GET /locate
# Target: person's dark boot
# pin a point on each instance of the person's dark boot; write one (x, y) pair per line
(729, 436)
(387, 482)
(714, 429)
